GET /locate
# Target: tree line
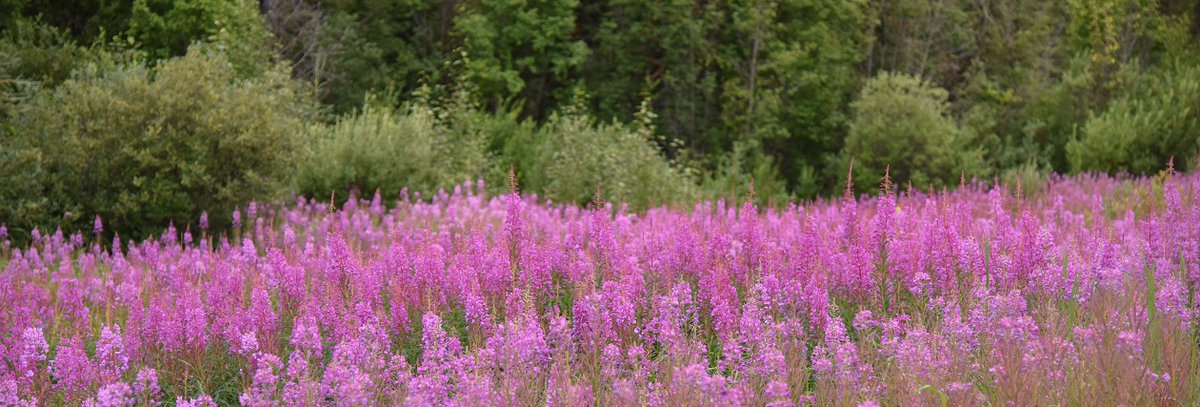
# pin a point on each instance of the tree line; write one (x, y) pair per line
(708, 96)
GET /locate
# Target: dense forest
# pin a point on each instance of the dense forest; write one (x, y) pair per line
(149, 112)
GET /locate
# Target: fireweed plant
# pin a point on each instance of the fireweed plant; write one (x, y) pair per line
(1083, 294)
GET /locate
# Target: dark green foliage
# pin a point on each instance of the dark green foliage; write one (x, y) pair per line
(369, 45)
(145, 147)
(165, 28)
(664, 50)
(793, 71)
(160, 28)
(84, 20)
(1044, 121)
(43, 54)
(23, 201)
(521, 50)
(927, 39)
(1013, 74)
(1155, 119)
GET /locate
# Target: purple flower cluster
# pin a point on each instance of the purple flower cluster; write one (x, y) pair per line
(1084, 293)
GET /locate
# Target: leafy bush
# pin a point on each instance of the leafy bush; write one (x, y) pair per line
(902, 121)
(1156, 118)
(437, 143)
(1030, 177)
(23, 201)
(143, 147)
(579, 155)
(743, 169)
(420, 148)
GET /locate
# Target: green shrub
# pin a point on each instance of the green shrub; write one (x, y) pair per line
(23, 200)
(746, 167)
(1030, 176)
(419, 148)
(579, 155)
(435, 144)
(1157, 118)
(902, 121)
(143, 147)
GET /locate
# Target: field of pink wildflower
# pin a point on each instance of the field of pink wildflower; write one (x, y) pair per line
(1081, 292)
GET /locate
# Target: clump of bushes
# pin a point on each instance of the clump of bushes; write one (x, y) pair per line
(578, 155)
(146, 146)
(903, 121)
(143, 147)
(385, 149)
(439, 143)
(1156, 118)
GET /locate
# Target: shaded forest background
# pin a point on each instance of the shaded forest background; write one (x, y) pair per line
(150, 112)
